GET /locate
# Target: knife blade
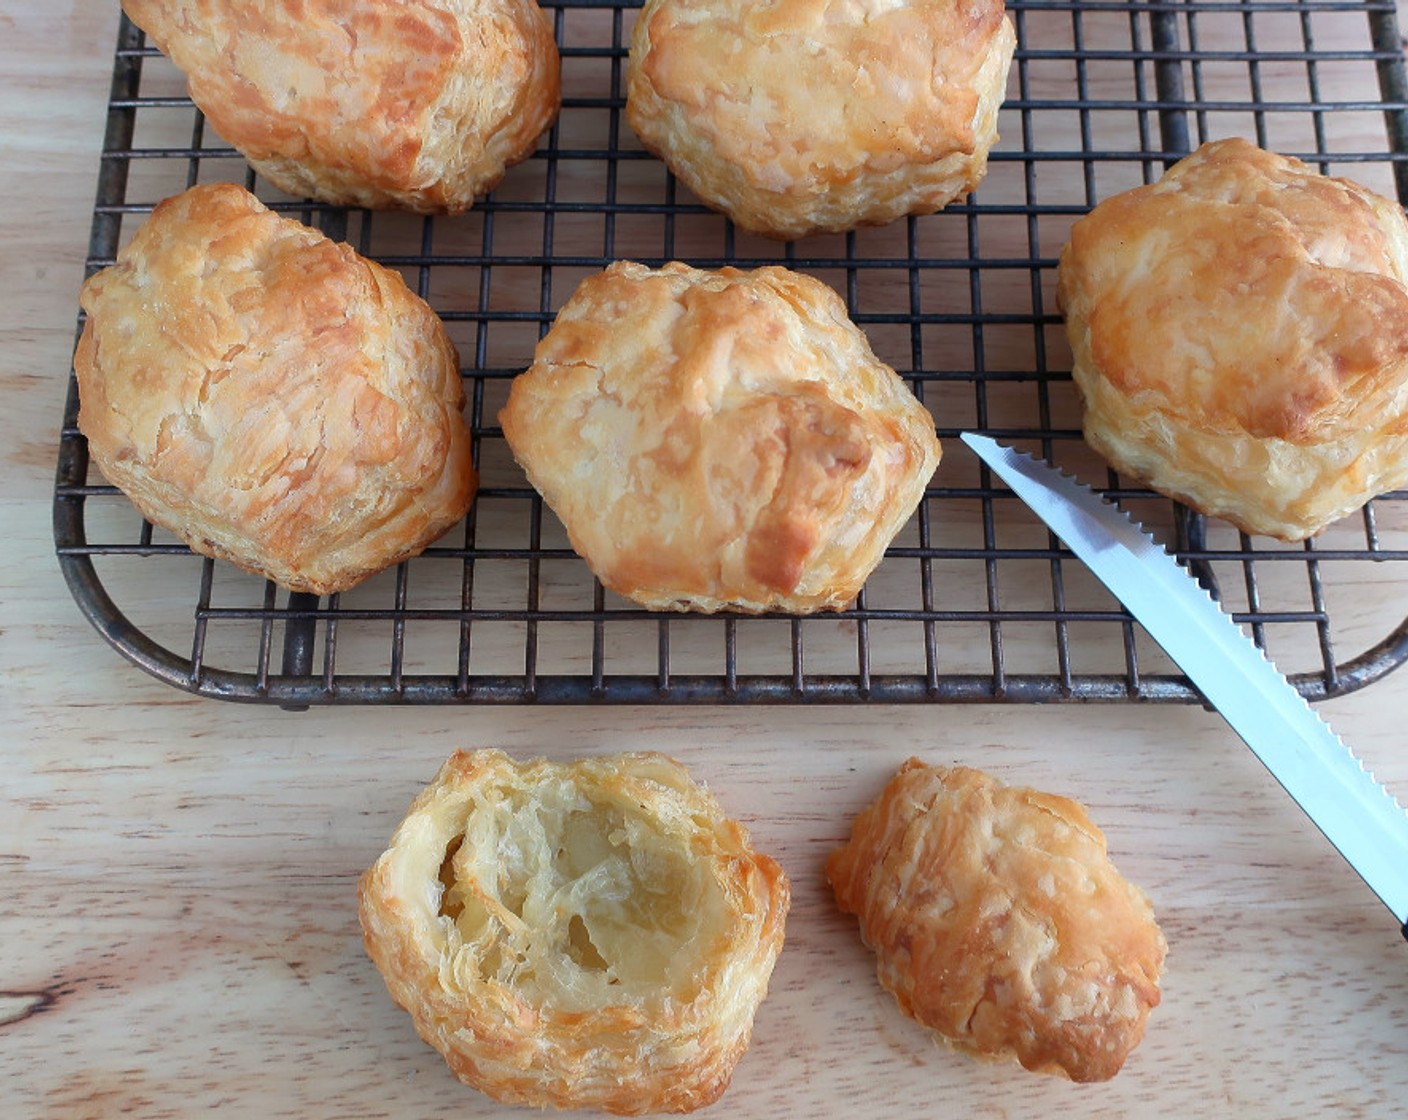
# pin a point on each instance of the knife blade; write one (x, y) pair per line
(1356, 814)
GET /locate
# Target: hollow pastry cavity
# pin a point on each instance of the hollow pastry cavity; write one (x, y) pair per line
(596, 934)
(574, 902)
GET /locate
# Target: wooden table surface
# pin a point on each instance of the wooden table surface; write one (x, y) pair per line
(178, 930)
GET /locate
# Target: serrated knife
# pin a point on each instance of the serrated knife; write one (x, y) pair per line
(1356, 814)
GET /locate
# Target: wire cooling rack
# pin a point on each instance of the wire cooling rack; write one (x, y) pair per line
(975, 600)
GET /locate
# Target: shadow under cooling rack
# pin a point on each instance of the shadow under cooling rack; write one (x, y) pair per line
(975, 600)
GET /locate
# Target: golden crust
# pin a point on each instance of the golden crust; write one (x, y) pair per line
(999, 922)
(418, 104)
(717, 440)
(1240, 338)
(271, 397)
(589, 935)
(794, 116)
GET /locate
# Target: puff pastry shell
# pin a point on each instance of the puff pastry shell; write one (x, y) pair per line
(1240, 338)
(794, 116)
(418, 104)
(718, 440)
(999, 922)
(595, 934)
(269, 396)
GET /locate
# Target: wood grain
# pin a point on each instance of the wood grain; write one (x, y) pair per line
(179, 932)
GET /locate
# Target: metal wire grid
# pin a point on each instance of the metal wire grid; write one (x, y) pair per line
(975, 601)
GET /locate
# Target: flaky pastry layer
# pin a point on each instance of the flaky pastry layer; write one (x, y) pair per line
(999, 922)
(416, 104)
(1240, 338)
(271, 397)
(797, 116)
(587, 935)
(720, 440)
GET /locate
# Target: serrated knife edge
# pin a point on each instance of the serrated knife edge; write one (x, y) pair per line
(1358, 815)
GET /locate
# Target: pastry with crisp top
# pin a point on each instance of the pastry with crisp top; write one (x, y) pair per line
(1239, 332)
(717, 440)
(414, 104)
(270, 396)
(803, 116)
(999, 922)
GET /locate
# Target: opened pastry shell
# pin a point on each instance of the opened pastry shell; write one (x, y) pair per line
(595, 934)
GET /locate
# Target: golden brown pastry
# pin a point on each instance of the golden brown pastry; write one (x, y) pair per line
(999, 922)
(269, 396)
(419, 104)
(794, 116)
(589, 935)
(717, 440)
(1240, 338)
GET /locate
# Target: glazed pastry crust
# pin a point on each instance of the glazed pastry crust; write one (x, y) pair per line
(417, 104)
(1240, 338)
(720, 440)
(269, 396)
(587, 935)
(796, 116)
(999, 922)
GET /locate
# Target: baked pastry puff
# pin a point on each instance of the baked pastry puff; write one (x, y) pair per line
(999, 922)
(587, 935)
(719, 440)
(416, 104)
(796, 116)
(1239, 333)
(271, 397)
